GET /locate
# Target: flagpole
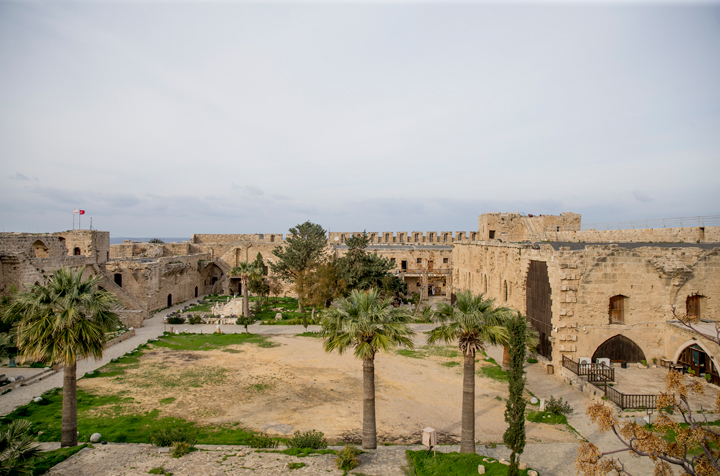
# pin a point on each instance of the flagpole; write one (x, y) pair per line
(73, 220)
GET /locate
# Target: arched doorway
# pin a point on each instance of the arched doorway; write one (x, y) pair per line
(76, 251)
(694, 357)
(539, 305)
(169, 302)
(196, 291)
(619, 348)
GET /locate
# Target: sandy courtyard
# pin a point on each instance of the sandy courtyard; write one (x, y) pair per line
(298, 386)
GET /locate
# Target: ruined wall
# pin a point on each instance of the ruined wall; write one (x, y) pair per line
(46, 244)
(710, 234)
(150, 281)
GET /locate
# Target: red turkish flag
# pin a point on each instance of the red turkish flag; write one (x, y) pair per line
(82, 212)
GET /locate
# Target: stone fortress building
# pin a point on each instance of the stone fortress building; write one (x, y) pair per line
(590, 293)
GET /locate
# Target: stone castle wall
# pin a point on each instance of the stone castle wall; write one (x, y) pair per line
(710, 234)
(653, 279)
(387, 237)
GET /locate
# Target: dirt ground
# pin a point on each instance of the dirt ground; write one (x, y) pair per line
(298, 386)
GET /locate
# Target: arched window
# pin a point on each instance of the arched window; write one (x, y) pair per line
(40, 250)
(76, 251)
(169, 300)
(196, 291)
(617, 309)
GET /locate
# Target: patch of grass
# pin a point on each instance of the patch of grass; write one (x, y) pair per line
(308, 439)
(165, 401)
(159, 470)
(232, 351)
(451, 364)
(414, 354)
(454, 464)
(260, 387)
(292, 466)
(546, 417)
(210, 341)
(155, 376)
(309, 334)
(493, 371)
(109, 416)
(47, 459)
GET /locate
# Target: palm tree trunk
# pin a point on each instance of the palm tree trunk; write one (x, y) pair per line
(369, 434)
(68, 436)
(246, 298)
(467, 437)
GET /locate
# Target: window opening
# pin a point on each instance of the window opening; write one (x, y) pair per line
(617, 309)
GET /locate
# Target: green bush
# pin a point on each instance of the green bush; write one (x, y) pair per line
(168, 436)
(558, 407)
(181, 448)
(532, 361)
(309, 439)
(176, 320)
(347, 458)
(194, 319)
(262, 440)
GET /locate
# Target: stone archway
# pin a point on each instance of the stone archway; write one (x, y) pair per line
(619, 348)
(40, 250)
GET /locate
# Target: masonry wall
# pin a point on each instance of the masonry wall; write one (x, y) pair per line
(396, 237)
(710, 234)
(583, 281)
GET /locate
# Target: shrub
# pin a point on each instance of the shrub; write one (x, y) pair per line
(176, 320)
(262, 440)
(181, 448)
(194, 319)
(558, 407)
(309, 439)
(347, 458)
(644, 362)
(708, 377)
(532, 361)
(171, 435)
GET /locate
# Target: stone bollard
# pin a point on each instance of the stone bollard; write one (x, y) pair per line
(481, 469)
(532, 473)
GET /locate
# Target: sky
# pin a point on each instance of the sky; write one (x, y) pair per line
(169, 118)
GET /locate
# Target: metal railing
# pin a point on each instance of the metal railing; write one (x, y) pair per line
(684, 222)
(425, 271)
(601, 375)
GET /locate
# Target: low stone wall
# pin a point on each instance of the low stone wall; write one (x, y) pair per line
(120, 338)
(131, 318)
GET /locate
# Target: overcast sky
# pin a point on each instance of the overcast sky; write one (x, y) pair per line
(169, 118)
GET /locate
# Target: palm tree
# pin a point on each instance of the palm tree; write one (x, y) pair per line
(17, 449)
(245, 271)
(63, 321)
(367, 323)
(473, 322)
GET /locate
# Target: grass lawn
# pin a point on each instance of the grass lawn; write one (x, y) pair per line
(47, 459)
(493, 371)
(107, 414)
(546, 417)
(453, 464)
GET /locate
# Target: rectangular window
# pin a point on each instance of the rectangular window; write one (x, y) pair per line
(419, 261)
(692, 306)
(617, 309)
(446, 260)
(403, 265)
(491, 234)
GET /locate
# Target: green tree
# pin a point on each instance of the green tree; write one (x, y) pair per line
(245, 271)
(362, 270)
(514, 436)
(258, 283)
(17, 449)
(63, 321)
(325, 285)
(304, 249)
(473, 322)
(368, 324)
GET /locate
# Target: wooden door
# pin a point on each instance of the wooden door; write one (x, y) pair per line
(539, 305)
